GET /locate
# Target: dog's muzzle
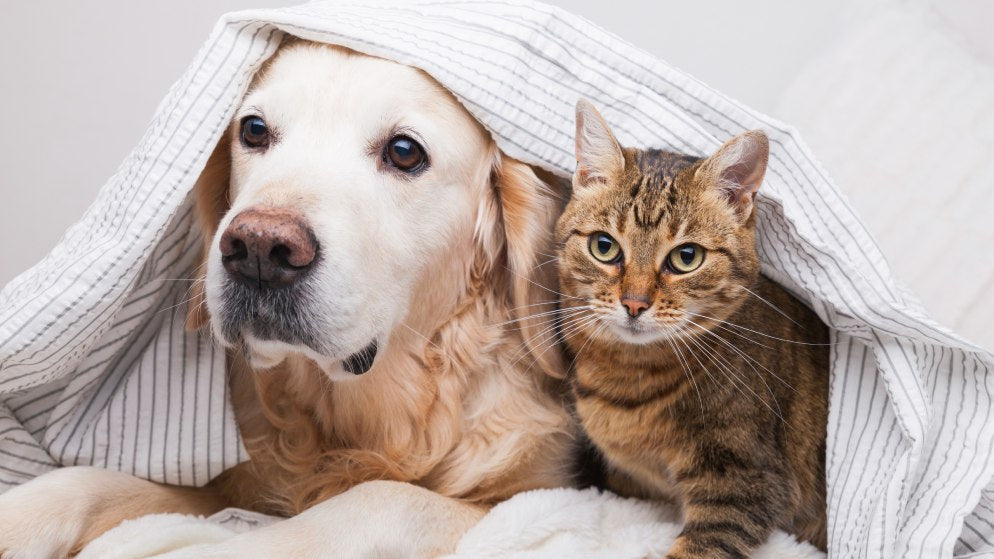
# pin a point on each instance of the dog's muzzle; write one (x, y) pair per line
(266, 253)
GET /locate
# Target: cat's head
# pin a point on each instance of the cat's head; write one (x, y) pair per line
(654, 242)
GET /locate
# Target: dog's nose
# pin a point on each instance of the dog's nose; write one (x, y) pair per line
(635, 304)
(268, 247)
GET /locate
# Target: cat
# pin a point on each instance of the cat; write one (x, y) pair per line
(700, 381)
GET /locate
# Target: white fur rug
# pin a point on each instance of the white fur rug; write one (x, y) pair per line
(549, 523)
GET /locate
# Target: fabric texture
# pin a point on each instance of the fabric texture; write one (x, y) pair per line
(158, 534)
(556, 523)
(887, 155)
(540, 524)
(95, 367)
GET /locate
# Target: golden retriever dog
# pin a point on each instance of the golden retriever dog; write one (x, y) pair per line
(373, 266)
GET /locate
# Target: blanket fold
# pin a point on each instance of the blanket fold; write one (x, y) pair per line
(95, 367)
(540, 524)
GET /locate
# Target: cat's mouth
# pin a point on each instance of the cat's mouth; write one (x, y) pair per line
(638, 332)
(635, 331)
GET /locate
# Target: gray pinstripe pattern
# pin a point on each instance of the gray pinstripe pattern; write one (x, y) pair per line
(95, 366)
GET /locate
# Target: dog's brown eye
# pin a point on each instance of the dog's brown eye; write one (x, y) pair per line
(255, 133)
(406, 154)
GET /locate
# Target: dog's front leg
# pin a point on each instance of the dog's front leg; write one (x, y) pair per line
(373, 519)
(56, 514)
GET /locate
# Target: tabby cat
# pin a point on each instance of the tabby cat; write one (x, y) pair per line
(699, 380)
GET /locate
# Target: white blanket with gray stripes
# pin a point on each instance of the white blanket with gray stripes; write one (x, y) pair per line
(95, 366)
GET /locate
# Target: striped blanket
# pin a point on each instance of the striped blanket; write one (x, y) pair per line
(96, 368)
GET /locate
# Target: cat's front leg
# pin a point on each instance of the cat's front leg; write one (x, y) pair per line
(730, 508)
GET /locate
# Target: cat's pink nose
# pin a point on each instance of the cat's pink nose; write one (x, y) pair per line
(636, 305)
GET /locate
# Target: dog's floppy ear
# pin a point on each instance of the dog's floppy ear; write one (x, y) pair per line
(527, 207)
(210, 195)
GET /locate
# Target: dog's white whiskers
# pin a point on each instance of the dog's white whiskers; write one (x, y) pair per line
(422, 336)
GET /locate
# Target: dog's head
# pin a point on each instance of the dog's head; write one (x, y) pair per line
(352, 200)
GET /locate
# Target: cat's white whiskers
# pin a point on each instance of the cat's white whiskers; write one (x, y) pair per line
(523, 350)
(724, 328)
(597, 330)
(771, 305)
(548, 324)
(574, 328)
(720, 321)
(548, 331)
(677, 343)
(604, 324)
(672, 341)
(545, 263)
(732, 370)
(540, 286)
(553, 312)
(728, 330)
(541, 304)
(690, 340)
(728, 369)
(749, 359)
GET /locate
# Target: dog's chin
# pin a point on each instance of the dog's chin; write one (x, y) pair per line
(265, 354)
(274, 325)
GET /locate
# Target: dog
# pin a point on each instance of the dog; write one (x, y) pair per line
(372, 266)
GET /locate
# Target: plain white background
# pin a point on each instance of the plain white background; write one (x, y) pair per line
(80, 81)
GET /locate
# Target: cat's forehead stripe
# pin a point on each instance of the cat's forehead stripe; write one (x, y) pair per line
(653, 161)
(652, 190)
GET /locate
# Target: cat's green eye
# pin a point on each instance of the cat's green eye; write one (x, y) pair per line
(686, 258)
(604, 248)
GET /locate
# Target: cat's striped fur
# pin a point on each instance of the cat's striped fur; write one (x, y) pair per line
(714, 396)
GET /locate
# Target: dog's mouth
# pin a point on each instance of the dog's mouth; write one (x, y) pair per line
(362, 360)
(263, 354)
(277, 323)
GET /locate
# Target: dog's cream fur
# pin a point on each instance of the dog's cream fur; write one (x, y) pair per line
(460, 408)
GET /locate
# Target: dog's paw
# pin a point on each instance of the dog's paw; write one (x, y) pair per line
(24, 537)
(44, 518)
(34, 547)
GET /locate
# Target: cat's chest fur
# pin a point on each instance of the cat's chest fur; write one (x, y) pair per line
(628, 413)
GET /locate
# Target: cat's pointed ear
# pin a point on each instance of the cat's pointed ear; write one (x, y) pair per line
(598, 153)
(737, 169)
